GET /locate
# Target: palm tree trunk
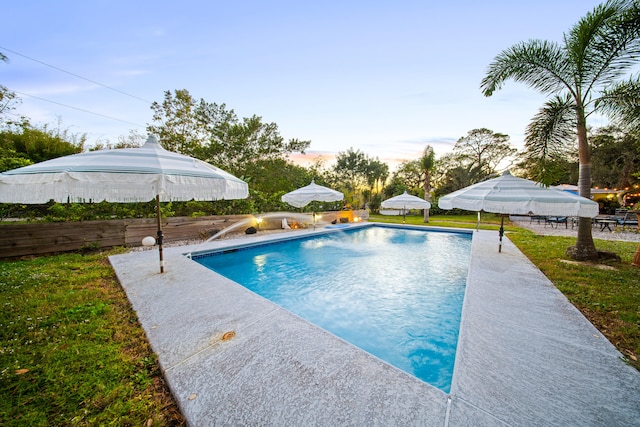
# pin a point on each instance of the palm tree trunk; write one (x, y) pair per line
(585, 248)
(426, 215)
(427, 194)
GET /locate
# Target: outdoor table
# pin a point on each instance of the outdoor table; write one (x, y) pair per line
(606, 223)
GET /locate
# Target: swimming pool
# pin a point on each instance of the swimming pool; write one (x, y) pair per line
(395, 292)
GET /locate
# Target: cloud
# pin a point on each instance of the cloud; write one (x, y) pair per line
(311, 157)
(393, 154)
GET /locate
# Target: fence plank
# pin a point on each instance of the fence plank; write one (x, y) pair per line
(41, 238)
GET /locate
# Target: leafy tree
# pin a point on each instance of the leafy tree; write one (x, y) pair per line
(377, 173)
(616, 157)
(9, 159)
(183, 124)
(409, 173)
(8, 103)
(318, 169)
(474, 157)
(248, 148)
(552, 171)
(273, 175)
(581, 74)
(269, 179)
(359, 177)
(5, 93)
(351, 168)
(235, 144)
(451, 174)
(213, 133)
(133, 140)
(414, 177)
(21, 145)
(37, 145)
(396, 185)
(482, 150)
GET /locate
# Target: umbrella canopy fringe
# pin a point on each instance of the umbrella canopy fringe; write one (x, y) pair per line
(116, 188)
(517, 196)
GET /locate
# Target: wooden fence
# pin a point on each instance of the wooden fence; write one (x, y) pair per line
(41, 238)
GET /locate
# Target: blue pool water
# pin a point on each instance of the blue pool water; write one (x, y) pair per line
(396, 293)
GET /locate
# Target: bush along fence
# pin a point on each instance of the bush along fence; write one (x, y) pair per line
(49, 237)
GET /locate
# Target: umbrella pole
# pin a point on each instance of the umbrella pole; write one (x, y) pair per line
(159, 216)
(501, 232)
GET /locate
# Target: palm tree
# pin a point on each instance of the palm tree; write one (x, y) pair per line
(427, 163)
(583, 74)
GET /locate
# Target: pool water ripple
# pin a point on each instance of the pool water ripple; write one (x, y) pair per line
(396, 293)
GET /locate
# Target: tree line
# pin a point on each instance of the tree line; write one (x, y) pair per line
(255, 152)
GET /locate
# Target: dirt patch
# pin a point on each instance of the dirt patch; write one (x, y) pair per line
(587, 263)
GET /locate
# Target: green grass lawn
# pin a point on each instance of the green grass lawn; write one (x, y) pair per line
(71, 349)
(73, 353)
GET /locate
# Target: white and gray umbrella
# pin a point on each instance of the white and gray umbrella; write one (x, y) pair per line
(311, 193)
(510, 195)
(405, 201)
(121, 175)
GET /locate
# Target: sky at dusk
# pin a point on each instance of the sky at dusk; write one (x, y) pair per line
(385, 78)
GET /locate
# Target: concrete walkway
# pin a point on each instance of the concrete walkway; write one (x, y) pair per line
(526, 356)
(625, 234)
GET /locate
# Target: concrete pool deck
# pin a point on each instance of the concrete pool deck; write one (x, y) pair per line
(525, 355)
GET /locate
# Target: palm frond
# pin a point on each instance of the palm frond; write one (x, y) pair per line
(621, 103)
(552, 131)
(538, 63)
(604, 44)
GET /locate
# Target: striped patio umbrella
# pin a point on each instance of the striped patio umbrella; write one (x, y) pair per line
(510, 195)
(121, 175)
(310, 193)
(405, 201)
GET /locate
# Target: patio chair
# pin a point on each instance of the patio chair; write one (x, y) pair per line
(625, 219)
(557, 220)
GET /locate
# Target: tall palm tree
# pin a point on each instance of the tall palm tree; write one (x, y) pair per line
(427, 163)
(583, 72)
